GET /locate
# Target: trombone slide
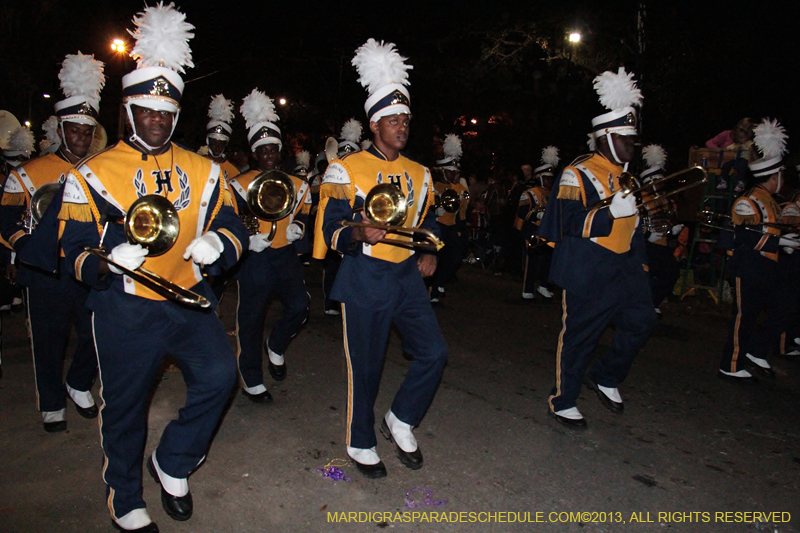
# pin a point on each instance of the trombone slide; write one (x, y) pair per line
(434, 245)
(154, 281)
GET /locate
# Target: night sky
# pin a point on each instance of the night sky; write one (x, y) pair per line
(507, 64)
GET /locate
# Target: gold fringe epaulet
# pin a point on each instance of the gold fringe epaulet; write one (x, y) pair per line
(567, 192)
(14, 198)
(77, 212)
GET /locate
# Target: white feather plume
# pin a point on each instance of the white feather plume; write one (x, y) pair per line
(303, 159)
(654, 156)
(220, 109)
(21, 140)
(351, 131)
(617, 90)
(379, 64)
(452, 146)
(770, 137)
(82, 75)
(550, 156)
(162, 38)
(591, 142)
(50, 127)
(365, 144)
(258, 107)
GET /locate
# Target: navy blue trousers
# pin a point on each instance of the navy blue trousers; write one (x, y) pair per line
(625, 302)
(537, 267)
(664, 271)
(54, 304)
(262, 275)
(332, 262)
(755, 294)
(129, 358)
(366, 334)
(448, 259)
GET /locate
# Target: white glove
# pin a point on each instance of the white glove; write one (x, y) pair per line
(622, 206)
(440, 211)
(540, 215)
(293, 232)
(677, 228)
(788, 250)
(131, 256)
(655, 236)
(205, 249)
(790, 240)
(259, 243)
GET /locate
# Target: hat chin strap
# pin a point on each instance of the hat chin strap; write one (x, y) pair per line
(613, 151)
(135, 136)
(210, 151)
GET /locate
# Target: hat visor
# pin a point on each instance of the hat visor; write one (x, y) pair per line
(157, 103)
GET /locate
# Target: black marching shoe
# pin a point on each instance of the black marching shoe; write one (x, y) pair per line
(278, 372)
(149, 528)
(412, 460)
(572, 423)
(261, 397)
(375, 471)
(87, 412)
(742, 376)
(55, 427)
(177, 507)
(615, 407)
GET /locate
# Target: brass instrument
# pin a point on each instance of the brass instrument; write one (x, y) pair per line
(385, 208)
(712, 219)
(271, 197)
(687, 179)
(450, 200)
(152, 222)
(39, 203)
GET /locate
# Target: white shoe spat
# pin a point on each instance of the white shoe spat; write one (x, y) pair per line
(571, 413)
(365, 456)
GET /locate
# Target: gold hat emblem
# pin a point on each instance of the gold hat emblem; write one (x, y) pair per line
(399, 98)
(160, 88)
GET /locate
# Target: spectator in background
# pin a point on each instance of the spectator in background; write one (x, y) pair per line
(740, 140)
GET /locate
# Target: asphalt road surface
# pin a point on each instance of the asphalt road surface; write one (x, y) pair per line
(690, 453)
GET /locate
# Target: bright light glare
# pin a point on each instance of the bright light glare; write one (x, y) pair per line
(574, 37)
(118, 45)
(282, 101)
(27, 123)
(474, 120)
(45, 96)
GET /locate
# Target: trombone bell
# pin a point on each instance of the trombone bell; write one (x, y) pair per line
(385, 208)
(152, 221)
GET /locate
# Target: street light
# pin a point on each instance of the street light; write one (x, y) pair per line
(474, 120)
(118, 45)
(282, 101)
(45, 96)
(575, 37)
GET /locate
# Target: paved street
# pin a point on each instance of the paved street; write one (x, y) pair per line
(688, 444)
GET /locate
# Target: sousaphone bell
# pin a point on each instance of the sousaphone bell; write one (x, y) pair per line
(386, 208)
(152, 222)
(271, 197)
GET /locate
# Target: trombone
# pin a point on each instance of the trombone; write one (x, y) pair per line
(39, 203)
(152, 222)
(385, 208)
(711, 219)
(687, 179)
(271, 197)
(450, 200)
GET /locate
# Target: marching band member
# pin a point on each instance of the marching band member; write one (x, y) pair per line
(270, 267)
(379, 284)
(56, 299)
(452, 223)
(531, 209)
(664, 268)
(218, 134)
(134, 326)
(755, 262)
(789, 267)
(348, 144)
(599, 258)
